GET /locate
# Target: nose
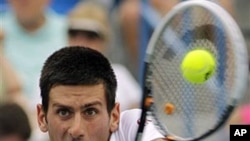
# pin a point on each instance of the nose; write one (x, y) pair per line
(76, 129)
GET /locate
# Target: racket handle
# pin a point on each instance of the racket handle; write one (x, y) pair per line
(139, 137)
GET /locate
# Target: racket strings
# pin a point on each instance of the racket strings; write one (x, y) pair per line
(167, 87)
(196, 107)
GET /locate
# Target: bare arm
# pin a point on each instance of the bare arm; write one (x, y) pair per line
(12, 88)
(9, 76)
(11, 82)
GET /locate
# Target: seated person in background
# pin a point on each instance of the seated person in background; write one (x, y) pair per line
(89, 26)
(14, 123)
(32, 32)
(10, 84)
(78, 90)
(129, 19)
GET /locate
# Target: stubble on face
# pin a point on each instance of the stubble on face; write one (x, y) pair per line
(78, 113)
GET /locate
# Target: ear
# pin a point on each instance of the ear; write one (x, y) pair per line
(41, 118)
(115, 118)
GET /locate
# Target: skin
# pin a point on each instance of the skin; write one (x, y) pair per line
(94, 42)
(129, 14)
(13, 137)
(78, 113)
(12, 87)
(29, 13)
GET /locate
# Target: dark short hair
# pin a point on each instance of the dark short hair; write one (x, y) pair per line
(77, 65)
(14, 120)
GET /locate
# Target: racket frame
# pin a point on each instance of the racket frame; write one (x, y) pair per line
(239, 49)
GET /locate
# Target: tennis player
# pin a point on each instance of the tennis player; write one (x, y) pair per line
(78, 90)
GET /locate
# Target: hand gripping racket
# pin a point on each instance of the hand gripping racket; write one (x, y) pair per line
(183, 111)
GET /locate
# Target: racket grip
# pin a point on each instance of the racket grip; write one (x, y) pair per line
(139, 137)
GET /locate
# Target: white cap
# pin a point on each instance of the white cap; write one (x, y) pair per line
(89, 16)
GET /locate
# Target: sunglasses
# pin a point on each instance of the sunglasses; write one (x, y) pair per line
(91, 35)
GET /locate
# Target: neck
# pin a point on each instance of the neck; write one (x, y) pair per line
(34, 24)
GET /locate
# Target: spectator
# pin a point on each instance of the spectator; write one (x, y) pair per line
(10, 85)
(32, 32)
(135, 30)
(14, 123)
(89, 26)
(78, 89)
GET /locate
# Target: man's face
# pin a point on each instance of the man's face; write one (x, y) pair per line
(88, 39)
(78, 113)
(28, 10)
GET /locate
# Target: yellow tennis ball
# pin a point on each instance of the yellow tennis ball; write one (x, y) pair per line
(198, 66)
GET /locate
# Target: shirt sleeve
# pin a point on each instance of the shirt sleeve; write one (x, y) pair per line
(129, 124)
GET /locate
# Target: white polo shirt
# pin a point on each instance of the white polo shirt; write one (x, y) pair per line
(128, 127)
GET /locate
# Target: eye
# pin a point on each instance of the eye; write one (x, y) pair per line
(63, 112)
(90, 112)
(92, 36)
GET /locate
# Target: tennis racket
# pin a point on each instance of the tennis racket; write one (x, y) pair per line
(183, 111)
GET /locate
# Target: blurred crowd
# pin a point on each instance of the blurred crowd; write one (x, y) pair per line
(31, 30)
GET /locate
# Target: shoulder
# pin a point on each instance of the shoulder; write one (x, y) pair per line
(129, 122)
(131, 114)
(127, 126)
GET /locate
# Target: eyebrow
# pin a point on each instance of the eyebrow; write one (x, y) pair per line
(60, 105)
(91, 104)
